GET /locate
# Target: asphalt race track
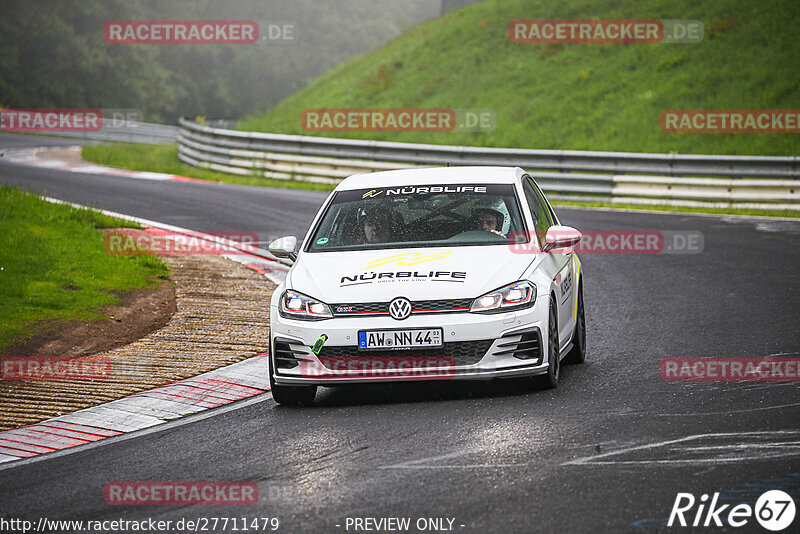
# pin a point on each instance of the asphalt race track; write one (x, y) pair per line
(607, 451)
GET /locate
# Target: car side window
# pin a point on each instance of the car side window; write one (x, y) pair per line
(539, 212)
(543, 202)
(530, 199)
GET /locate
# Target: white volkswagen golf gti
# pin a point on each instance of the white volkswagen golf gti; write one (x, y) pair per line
(427, 274)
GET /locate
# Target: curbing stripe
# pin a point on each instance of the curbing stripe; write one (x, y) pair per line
(154, 411)
(162, 395)
(15, 454)
(96, 433)
(27, 447)
(37, 438)
(143, 410)
(102, 417)
(30, 156)
(197, 395)
(57, 432)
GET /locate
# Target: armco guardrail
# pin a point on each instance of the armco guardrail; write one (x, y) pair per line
(568, 174)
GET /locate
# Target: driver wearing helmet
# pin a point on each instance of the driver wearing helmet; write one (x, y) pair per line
(378, 225)
(488, 220)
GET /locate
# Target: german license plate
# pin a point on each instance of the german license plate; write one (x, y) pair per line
(400, 339)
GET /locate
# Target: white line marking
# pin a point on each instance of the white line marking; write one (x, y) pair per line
(445, 466)
(722, 413)
(740, 446)
(596, 460)
(415, 464)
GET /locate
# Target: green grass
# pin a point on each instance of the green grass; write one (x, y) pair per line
(574, 96)
(164, 159)
(53, 265)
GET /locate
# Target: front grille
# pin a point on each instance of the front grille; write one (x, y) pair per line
(441, 305)
(456, 353)
(527, 347)
(417, 308)
(287, 354)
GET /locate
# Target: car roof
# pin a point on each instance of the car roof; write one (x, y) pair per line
(432, 175)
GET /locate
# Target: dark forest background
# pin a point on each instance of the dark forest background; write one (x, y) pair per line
(53, 54)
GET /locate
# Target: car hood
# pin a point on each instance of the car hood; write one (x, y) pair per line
(417, 273)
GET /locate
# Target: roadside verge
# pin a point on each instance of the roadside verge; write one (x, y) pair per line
(222, 318)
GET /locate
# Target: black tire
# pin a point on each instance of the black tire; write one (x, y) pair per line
(290, 395)
(549, 380)
(578, 352)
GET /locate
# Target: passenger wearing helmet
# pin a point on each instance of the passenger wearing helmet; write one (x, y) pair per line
(488, 220)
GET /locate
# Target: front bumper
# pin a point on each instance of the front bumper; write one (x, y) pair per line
(477, 346)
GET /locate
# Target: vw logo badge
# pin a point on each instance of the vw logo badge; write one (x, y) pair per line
(400, 308)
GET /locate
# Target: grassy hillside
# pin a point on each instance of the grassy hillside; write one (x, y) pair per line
(575, 96)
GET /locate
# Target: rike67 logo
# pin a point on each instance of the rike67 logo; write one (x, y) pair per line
(774, 510)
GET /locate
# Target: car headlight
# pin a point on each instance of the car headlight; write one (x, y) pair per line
(511, 297)
(295, 305)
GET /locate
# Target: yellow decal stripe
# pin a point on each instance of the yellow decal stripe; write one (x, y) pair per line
(384, 261)
(576, 269)
(408, 259)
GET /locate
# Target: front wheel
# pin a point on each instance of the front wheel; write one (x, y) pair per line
(578, 352)
(549, 380)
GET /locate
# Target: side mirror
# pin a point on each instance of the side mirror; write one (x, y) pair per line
(284, 247)
(560, 237)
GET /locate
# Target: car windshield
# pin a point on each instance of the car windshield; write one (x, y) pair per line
(419, 216)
